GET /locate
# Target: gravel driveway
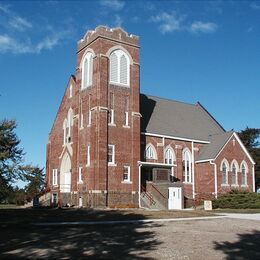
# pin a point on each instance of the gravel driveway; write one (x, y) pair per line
(190, 239)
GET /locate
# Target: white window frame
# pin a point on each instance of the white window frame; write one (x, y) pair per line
(169, 153)
(89, 117)
(71, 91)
(119, 53)
(88, 155)
(111, 117)
(126, 119)
(113, 154)
(150, 152)
(80, 180)
(128, 173)
(187, 164)
(55, 177)
(89, 59)
(226, 173)
(234, 163)
(246, 173)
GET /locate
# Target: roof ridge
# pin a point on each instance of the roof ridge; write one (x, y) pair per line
(168, 99)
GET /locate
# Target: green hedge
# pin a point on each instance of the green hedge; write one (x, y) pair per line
(238, 200)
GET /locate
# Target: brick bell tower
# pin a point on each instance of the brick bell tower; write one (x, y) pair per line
(108, 80)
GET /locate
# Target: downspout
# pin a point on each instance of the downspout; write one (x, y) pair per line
(215, 177)
(139, 182)
(193, 170)
(253, 177)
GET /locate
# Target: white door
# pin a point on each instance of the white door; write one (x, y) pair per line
(175, 198)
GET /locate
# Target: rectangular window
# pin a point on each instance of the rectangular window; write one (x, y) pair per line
(126, 111)
(55, 177)
(89, 117)
(126, 173)
(80, 175)
(111, 109)
(89, 110)
(88, 155)
(70, 91)
(111, 154)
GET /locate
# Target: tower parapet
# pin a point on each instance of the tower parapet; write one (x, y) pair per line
(116, 34)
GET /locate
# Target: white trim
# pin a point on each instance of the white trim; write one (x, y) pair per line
(151, 146)
(227, 170)
(168, 147)
(193, 170)
(246, 172)
(215, 178)
(88, 155)
(244, 148)
(155, 164)
(234, 162)
(112, 163)
(176, 138)
(128, 174)
(253, 177)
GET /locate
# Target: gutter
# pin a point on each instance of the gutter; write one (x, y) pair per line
(215, 177)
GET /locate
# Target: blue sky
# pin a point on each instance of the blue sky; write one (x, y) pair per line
(190, 51)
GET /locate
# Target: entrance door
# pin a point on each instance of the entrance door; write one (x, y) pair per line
(175, 200)
(80, 202)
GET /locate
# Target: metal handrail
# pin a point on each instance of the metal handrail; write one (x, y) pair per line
(158, 191)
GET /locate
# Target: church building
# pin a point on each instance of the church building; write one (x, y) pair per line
(112, 146)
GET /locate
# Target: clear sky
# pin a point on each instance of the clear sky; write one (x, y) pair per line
(190, 51)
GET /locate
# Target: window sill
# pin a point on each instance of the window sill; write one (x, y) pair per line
(244, 186)
(126, 126)
(82, 89)
(87, 165)
(88, 125)
(112, 164)
(190, 183)
(119, 84)
(81, 128)
(55, 185)
(80, 182)
(225, 185)
(235, 185)
(126, 182)
(111, 124)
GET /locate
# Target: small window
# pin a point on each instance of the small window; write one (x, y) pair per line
(224, 173)
(150, 152)
(80, 175)
(234, 174)
(88, 155)
(126, 123)
(126, 173)
(87, 70)
(71, 91)
(186, 166)
(244, 174)
(111, 109)
(111, 154)
(55, 177)
(169, 157)
(89, 117)
(119, 68)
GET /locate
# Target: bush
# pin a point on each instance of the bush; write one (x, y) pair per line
(238, 200)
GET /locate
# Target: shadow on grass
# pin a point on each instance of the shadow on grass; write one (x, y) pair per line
(247, 247)
(20, 239)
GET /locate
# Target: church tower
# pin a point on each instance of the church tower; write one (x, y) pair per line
(108, 145)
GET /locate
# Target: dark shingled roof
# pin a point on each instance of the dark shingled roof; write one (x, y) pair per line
(178, 119)
(211, 150)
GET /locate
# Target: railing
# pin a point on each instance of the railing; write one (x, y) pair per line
(158, 191)
(148, 195)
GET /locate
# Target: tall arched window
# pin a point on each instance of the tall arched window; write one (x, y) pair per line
(224, 171)
(244, 173)
(87, 70)
(186, 166)
(67, 124)
(119, 68)
(234, 172)
(169, 157)
(150, 152)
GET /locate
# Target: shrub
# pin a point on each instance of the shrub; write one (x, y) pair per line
(238, 200)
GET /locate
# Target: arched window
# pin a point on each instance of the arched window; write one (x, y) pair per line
(87, 70)
(244, 173)
(119, 68)
(224, 171)
(150, 152)
(169, 157)
(186, 166)
(234, 173)
(67, 124)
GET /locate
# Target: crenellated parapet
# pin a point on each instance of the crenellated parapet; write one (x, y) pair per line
(117, 34)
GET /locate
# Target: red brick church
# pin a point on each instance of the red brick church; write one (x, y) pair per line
(112, 146)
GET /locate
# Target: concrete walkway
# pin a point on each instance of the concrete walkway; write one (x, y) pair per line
(242, 216)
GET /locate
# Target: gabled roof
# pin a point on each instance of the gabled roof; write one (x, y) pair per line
(211, 150)
(178, 119)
